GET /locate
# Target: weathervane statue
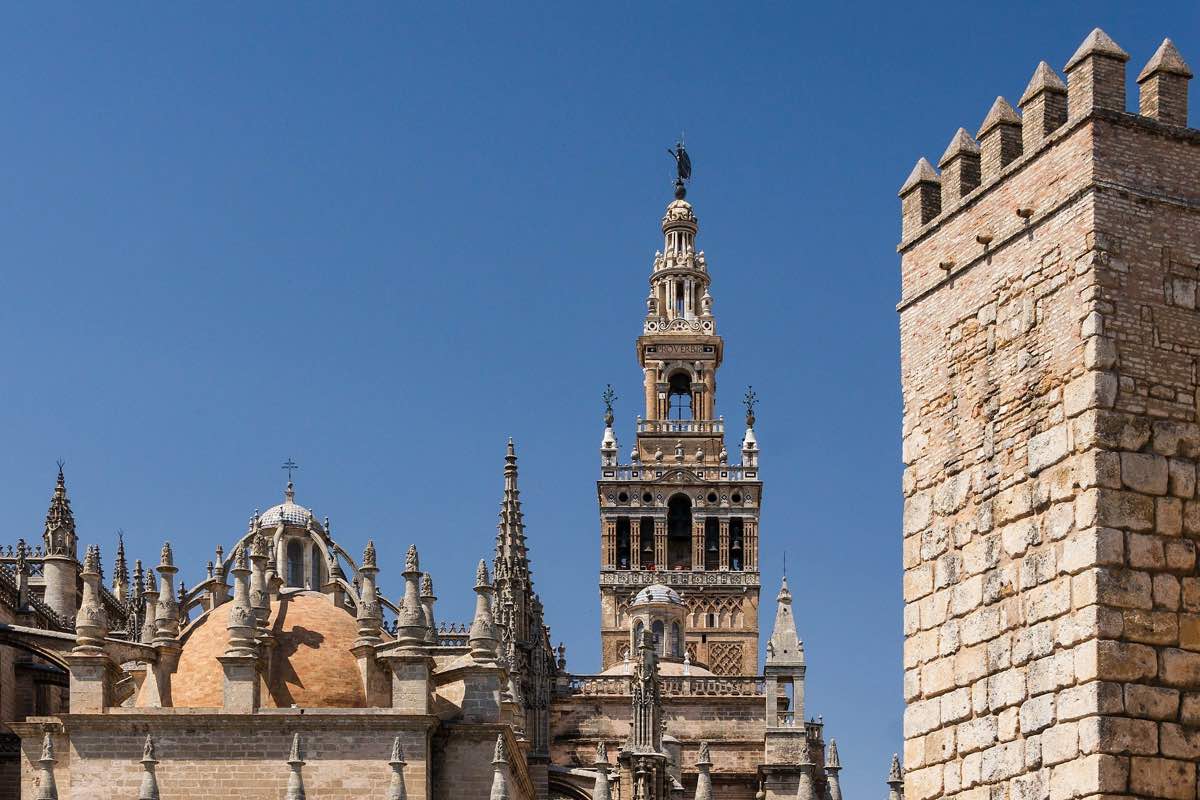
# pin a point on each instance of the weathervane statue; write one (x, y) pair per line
(683, 168)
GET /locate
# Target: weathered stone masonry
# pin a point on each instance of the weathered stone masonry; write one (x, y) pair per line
(1050, 343)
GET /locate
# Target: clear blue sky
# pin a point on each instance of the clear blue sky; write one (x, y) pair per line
(380, 239)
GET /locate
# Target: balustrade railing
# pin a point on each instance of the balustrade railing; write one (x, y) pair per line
(681, 686)
(718, 472)
(681, 426)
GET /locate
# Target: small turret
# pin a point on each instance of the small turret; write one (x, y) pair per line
(1163, 86)
(428, 598)
(1096, 75)
(150, 596)
(784, 647)
(410, 618)
(60, 568)
(166, 618)
(370, 615)
(1043, 106)
(482, 637)
(91, 623)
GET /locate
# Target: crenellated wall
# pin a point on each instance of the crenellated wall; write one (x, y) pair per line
(1050, 345)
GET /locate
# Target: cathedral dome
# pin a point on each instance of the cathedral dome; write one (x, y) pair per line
(289, 511)
(311, 663)
(657, 593)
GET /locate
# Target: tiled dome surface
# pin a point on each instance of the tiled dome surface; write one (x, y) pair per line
(291, 514)
(312, 666)
(657, 593)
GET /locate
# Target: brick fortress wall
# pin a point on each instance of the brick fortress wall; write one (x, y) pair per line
(1050, 341)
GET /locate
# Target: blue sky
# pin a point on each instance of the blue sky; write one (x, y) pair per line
(379, 239)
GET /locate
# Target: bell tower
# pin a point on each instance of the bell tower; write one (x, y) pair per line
(678, 512)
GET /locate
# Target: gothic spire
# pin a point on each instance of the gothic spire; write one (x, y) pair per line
(512, 556)
(646, 695)
(59, 534)
(895, 780)
(149, 787)
(704, 764)
(833, 765)
(601, 790)
(120, 569)
(500, 771)
(784, 648)
(47, 789)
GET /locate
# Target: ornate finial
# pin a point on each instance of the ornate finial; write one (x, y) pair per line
(22, 557)
(831, 756)
(240, 559)
(426, 585)
(368, 559)
(412, 562)
(290, 466)
(895, 775)
(148, 749)
(47, 739)
(609, 397)
(91, 560)
(750, 401)
(294, 756)
(165, 557)
(501, 754)
(481, 575)
(397, 753)
(602, 753)
(683, 168)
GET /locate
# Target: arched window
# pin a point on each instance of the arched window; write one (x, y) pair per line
(680, 397)
(622, 543)
(660, 642)
(637, 634)
(295, 563)
(676, 640)
(679, 532)
(318, 569)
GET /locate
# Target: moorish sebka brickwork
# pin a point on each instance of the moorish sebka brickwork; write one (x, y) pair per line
(283, 671)
(1050, 356)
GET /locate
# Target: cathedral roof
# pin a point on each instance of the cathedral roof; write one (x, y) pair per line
(657, 593)
(311, 665)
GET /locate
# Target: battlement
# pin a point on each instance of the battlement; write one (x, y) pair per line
(1049, 109)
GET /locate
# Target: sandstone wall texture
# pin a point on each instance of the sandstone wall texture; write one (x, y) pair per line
(1050, 344)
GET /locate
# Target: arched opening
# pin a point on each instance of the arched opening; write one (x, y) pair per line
(736, 544)
(646, 542)
(660, 640)
(679, 532)
(680, 396)
(637, 634)
(295, 563)
(318, 569)
(622, 543)
(676, 640)
(712, 552)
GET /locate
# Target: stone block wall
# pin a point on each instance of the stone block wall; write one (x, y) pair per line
(225, 756)
(1050, 344)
